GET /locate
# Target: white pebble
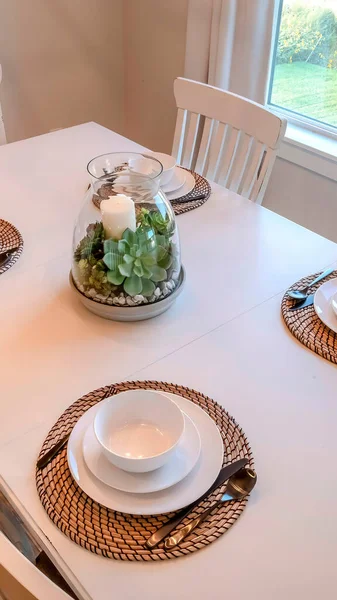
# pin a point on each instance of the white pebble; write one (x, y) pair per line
(138, 298)
(129, 301)
(157, 292)
(92, 293)
(115, 301)
(110, 300)
(121, 300)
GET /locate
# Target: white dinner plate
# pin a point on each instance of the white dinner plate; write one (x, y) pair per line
(323, 304)
(334, 303)
(173, 498)
(177, 181)
(179, 466)
(185, 189)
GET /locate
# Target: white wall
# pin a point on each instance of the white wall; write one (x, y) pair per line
(304, 197)
(62, 64)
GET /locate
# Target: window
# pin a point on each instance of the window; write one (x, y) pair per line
(304, 73)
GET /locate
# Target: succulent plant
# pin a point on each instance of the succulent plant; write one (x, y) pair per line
(93, 274)
(138, 261)
(154, 219)
(92, 243)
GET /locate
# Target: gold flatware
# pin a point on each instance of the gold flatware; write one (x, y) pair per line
(238, 486)
(47, 457)
(225, 473)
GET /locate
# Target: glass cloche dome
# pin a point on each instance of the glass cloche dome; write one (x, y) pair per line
(125, 246)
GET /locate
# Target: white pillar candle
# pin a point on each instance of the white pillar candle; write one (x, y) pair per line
(118, 214)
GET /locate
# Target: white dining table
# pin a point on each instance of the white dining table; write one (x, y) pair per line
(224, 336)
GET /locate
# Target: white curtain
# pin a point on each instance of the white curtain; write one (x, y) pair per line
(229, 44)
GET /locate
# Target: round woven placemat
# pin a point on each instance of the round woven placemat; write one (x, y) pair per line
(10, 237)
(190, 201)
(185, 203)
(118, 535)
(305, 325)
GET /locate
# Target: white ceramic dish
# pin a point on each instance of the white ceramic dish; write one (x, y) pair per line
(141, 165)
(185, 189)
(323, 303)
(169, 163)
(138, 430)
(183, 493)
(177, 181)
(334, 303)
(179, 466)
(130, 313)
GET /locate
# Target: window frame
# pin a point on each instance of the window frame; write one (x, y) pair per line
(293, 117)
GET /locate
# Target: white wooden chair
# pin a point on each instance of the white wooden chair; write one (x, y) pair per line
(226, 138)
(21, 580)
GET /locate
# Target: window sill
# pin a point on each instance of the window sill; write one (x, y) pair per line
(310, 150)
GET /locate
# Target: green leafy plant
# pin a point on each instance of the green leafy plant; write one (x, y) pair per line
(92, 243)
(308, 34)
(92, 274)
(138, 261)
(154, 219)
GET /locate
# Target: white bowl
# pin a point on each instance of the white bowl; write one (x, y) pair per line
(169, 163)
(138, 430)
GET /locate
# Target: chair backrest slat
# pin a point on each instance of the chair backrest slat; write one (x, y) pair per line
(179, 134)
(235, 162)
(220, 137)
(227, 155)
(247, 169)
(226, 138)
(203, 154)
(241, 162)
(192, 131)
(265, 167)
(251, 177)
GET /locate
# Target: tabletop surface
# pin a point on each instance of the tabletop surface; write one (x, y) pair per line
(227, 341)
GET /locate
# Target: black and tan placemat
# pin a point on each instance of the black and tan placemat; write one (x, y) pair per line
(10, 237)
(121, 536)
(181, 205)
(190, 201)
(305, 325)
